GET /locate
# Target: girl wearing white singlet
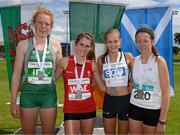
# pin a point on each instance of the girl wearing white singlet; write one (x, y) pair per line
(150, 97)
(114, 66)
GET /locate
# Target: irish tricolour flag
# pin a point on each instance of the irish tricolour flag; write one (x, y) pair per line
(95, 17)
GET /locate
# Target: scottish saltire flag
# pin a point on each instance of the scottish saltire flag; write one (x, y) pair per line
(158, 18)
(95, 18)
(16, 20)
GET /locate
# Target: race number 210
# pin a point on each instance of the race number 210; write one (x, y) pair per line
(140, 94)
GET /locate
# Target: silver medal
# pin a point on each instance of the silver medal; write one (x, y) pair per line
(40, 75)
(78, 94)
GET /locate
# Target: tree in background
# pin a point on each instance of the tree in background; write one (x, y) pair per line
(177, 38)
(176, 50)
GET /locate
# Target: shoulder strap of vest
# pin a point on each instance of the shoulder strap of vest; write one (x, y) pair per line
(121, 55)
(71, 57)
(124, 57)
(105, 60)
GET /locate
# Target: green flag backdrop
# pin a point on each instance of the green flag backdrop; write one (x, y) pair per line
(94, 18)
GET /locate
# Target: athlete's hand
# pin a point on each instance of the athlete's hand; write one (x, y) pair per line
(160, 129)
(130, 87)
(15, 110)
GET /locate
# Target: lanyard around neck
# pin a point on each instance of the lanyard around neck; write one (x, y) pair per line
(117, 60)
(79, 79)
(41, 64)
(141, 79)
(108, 62)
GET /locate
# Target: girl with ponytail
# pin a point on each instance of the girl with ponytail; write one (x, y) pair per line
(150, 97)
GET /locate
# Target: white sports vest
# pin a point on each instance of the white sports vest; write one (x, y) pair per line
(116, 74)
(146, 91)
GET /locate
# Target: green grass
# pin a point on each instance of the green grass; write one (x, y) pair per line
(176, 58)
(173, 121)
(9, 125)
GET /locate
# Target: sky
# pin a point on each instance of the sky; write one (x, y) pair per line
(58, 6)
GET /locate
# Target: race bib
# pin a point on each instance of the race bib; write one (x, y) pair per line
(79, 94)
(115, 74)
(143, 93)
(36, 76)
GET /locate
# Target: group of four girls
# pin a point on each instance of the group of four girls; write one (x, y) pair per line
(136, 89)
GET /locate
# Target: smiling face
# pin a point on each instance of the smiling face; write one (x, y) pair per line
(42, 25)
(113, 41)
(43, 22)
(83, 47)
(144, 42)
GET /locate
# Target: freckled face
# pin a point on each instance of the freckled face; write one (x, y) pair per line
(83, 47)
(144, 42)
(113, 42)
(42, 25)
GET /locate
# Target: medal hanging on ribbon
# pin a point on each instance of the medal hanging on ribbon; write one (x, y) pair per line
(140, 91)
(78, 92)
(111, 74)
(40, 73)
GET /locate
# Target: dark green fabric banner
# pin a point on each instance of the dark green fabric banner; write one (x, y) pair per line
(11, 18)
(94, 18)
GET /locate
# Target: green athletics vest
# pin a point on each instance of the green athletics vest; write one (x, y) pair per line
(31, 83)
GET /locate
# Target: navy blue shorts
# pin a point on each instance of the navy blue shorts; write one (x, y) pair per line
(116, 106)
(79, 116)
(147, 116)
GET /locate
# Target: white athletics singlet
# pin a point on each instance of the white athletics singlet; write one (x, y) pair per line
(116, 74)
(146, 91)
